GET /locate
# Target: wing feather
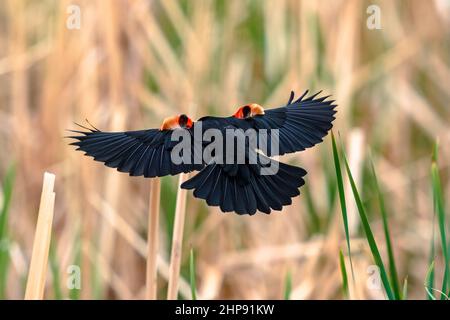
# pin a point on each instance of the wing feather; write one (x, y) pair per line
(302, 123)
(143, 152)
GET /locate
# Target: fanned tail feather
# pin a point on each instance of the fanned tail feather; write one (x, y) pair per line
(259, 192)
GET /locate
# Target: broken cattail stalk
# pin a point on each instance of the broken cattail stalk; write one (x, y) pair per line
(39, 258)
(177, 240)
(152, 239)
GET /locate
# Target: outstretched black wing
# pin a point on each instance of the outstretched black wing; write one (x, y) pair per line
(301, 123)
(143, 152)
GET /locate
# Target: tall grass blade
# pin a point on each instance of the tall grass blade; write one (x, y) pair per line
(169, 193)
(56, 276)
(429, 281)
(440, 212)
(4, 240)
(74, 292)
(344, 274)
(428, 288)
(288, 286)
(340, 183)
(331, 188)
(192, 275)
(314, 219)
(369, 235)
(392, 266)
(405, 289)
(434, 155)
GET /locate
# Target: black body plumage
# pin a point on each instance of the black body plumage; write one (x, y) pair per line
(241, 188)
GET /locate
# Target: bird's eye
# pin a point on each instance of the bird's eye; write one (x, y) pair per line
(183, 120)
(246, 111)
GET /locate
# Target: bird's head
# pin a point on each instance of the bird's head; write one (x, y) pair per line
(249, 110)
(179, 121)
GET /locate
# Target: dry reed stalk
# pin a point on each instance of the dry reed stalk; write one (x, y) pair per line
(133, 238)
(41, 244)
(152, 239)
(177, 240)
(111, 31)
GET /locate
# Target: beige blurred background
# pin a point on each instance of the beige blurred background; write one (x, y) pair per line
(132, 63)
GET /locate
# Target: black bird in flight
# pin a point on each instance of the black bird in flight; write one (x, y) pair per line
(233, 186)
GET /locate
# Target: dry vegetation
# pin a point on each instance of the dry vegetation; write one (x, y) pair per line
(134, 62)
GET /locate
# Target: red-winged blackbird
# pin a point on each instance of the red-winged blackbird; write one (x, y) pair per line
(233, 186)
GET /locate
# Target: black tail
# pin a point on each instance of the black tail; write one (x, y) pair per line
(245, 189)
